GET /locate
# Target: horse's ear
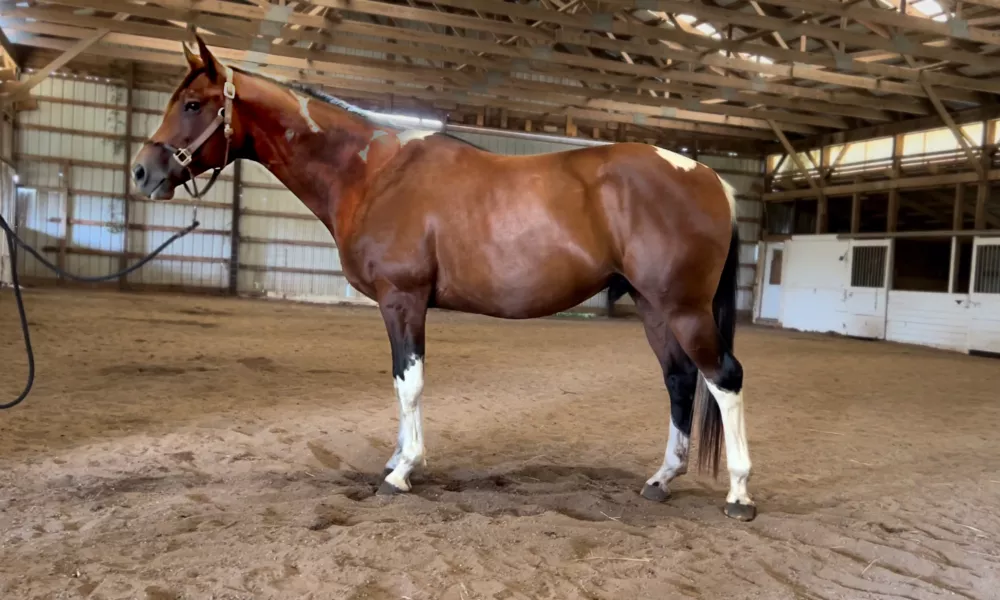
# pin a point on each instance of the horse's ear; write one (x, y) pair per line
(212, 66)
(193, 61)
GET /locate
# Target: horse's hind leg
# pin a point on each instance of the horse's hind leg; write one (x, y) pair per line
(681, 378)
(699, 336)
(405, 314)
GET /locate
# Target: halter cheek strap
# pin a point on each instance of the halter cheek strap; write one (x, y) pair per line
(185, 155)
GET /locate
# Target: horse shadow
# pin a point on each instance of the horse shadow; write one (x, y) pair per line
(582, 493)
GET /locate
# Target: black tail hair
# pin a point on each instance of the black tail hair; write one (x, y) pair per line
(724, 310)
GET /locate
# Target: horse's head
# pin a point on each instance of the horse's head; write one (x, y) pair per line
(199, 131)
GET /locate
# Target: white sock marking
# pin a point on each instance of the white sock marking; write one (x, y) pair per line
(675, 459)
(409, 135)
(304, 111)
(737, 453)
(409, 391)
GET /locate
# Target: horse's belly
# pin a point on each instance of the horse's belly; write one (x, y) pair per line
(518, 288)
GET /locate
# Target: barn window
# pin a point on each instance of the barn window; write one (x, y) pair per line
(868, 266)
(987, 279)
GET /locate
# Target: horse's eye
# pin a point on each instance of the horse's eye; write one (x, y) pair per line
(192, 106)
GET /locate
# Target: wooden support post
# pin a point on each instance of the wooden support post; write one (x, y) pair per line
(983, 164)
(892, 211)
(234, 233)
(822, 202)
(527, 125)
(503, 118)
(958, 212)
(570, 127)
(67, 233)
(127, 173)
(957, 217)
(856, 213)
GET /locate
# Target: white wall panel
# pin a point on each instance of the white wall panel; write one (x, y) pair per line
(929, 319)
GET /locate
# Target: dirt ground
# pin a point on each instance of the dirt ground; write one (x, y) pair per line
(179, 447)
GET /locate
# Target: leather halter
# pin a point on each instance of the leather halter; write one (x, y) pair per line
(185, 155)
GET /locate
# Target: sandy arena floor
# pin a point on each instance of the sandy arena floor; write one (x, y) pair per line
(194, 448)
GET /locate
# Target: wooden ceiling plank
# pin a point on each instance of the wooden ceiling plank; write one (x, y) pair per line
(663, 107)
(641, 70)
(958, 29)
(731, 17)
(165, 56)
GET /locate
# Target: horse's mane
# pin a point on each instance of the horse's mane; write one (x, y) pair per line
(325, 97)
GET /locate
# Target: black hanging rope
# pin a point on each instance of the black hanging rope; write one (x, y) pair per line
(12, 239)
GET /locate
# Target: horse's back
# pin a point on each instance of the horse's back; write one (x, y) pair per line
(524, 236)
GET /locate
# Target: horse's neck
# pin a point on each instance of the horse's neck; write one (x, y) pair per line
(311, 153)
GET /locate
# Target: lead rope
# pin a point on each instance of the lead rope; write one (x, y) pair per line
(15, 280)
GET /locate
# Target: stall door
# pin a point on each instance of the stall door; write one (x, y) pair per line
(770, 294)
(984, 297)
(865, 298)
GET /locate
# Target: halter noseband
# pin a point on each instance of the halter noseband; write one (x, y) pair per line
(184, 156)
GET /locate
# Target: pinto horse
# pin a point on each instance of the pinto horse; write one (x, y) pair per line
(422, 219)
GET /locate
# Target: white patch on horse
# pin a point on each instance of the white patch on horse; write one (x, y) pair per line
(730, 192)
(409, 391)
(363, 154)
(737, 453)
(409, 135)
(678, 160)
(304, 111)
(675, 459)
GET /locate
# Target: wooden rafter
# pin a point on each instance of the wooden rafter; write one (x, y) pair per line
(21, 90)
(812, 70)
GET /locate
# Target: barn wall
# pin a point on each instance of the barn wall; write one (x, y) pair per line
(818, 296)
(72, 158)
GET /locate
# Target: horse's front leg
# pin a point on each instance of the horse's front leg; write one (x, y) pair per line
(405, 313)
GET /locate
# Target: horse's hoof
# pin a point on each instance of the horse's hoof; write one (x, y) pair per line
(741, 512)
(655, 492)
(385, 472)
(387, 489)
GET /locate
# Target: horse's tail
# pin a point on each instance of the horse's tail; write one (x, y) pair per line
(724, 310)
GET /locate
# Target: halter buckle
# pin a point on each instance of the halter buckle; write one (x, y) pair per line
(229, 90)
(183, 156)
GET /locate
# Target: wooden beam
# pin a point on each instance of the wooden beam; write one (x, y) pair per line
(958, 28)
(955, 130)
(958, 211)
(855, 212)
(170, 55)
(892, 210)
(904, 183)
(982, 113)
(851, 38)
(798, 70)
(795, 158)
(24, 88)
(11, 57)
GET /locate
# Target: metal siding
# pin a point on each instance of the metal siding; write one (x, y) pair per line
(276, 250)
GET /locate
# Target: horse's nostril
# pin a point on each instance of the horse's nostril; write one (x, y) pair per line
(138, 173)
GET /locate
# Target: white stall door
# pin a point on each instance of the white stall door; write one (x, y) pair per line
(770, 295)
(865, 297)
